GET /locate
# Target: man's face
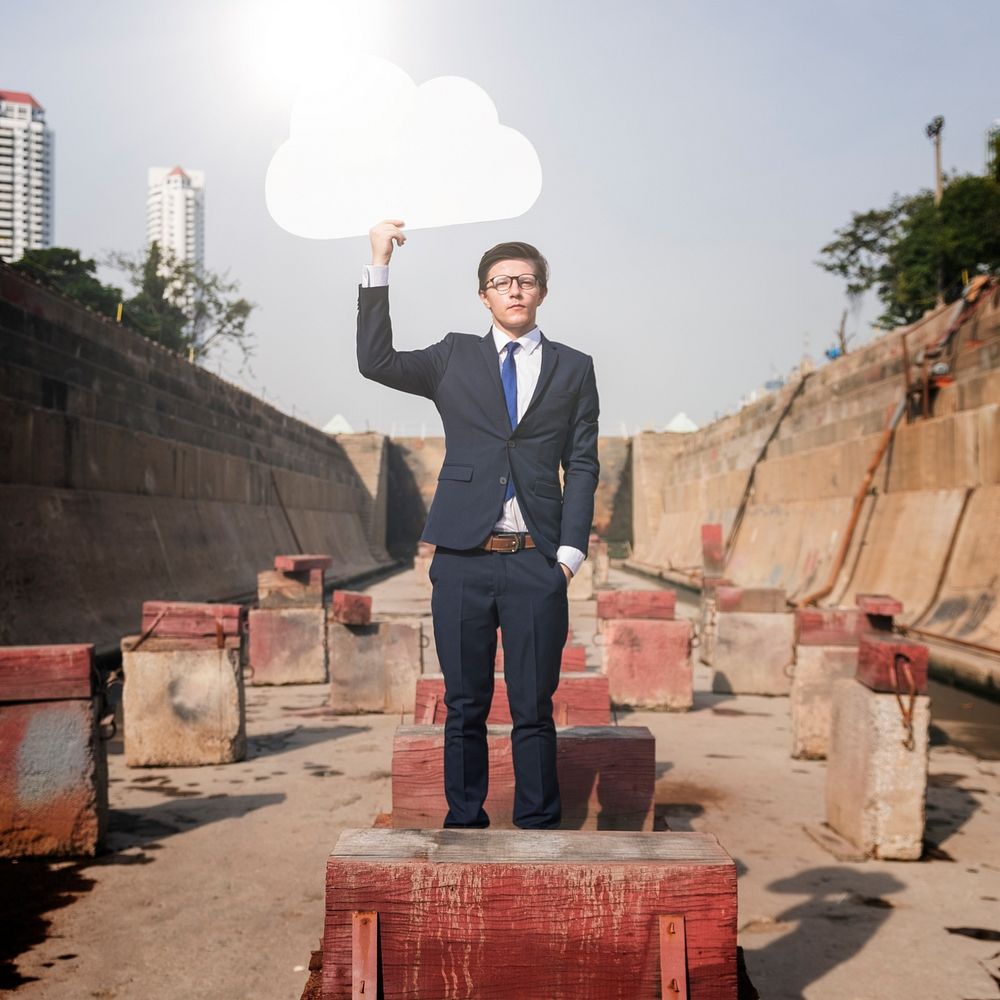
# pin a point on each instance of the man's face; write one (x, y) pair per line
(513, 311)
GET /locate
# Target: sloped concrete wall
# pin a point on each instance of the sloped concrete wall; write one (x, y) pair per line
(128, 474)
(927, 531)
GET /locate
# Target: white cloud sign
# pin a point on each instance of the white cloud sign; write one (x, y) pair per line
(373, 145)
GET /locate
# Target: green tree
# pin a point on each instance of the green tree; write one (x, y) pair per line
(187, 309)
(898, 250)
(64, 270)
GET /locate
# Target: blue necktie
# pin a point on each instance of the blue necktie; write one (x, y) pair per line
(508, 375)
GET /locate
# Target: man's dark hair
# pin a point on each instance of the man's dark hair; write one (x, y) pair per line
(514, 251)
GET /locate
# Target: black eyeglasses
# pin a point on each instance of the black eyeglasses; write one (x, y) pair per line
(502, 283)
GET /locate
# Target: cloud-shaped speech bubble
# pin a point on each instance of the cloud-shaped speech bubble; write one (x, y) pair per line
(373, 145)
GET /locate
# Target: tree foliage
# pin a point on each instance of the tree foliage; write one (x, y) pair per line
(901, 250)
(185, 308)
(65, 271)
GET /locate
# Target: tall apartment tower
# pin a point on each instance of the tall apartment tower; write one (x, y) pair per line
(175, 212)
(25, 176)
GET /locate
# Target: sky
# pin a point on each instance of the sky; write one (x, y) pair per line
(695, 157)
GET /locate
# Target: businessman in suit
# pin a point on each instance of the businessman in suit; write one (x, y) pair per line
(515, 406)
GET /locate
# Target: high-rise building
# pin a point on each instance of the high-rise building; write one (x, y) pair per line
(25, 176)
(175, 212)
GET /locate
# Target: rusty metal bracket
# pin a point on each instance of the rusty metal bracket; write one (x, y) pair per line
(902, 661)
(364, 954)
(673, 957)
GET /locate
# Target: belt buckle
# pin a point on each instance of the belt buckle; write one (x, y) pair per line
(514, 540)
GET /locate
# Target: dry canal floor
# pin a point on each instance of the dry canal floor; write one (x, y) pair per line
(213, 883)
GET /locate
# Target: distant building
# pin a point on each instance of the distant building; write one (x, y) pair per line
(175, 212)
(25, 176)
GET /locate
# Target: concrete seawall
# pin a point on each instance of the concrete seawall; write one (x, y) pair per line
(127, 473)
(929, 526)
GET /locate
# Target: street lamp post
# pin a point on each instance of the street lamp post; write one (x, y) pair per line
(934, 129)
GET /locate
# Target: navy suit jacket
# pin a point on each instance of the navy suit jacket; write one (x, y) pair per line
(461, 374)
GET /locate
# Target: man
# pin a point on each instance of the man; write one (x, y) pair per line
(515, 405)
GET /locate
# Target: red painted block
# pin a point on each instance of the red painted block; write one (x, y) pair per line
(155, 644)
(713, 552)
(648, 663)
(580, 700)
(606, 777)
(890, 663)
(660, 604)
(165, 619)
(287, 646)
(829, 626)
(881, 605)
(299, 564)
(53, 778)
(574, 657)
(290, 590)
(497, 914)
(350, 608)
(46, 673)
(760, 600)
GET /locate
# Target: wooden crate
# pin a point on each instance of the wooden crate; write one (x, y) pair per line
(555, 914)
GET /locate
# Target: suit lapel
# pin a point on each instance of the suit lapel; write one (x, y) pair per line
(488, 349)
(550, 358)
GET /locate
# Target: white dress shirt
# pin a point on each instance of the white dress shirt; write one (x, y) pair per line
(528, 362)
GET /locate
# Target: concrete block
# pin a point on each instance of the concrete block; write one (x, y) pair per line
(53, 778)
(288, 646)
(876, 786)
(891, 663)
(760, 600)
(374, 668)
(581, 587)
(637, 604)
(713, 551)
(350, 608)
(523, 913)
(648, 663)
(606, 777)
(817, 669)
(182, 707)
(753, 653)
(707, 628)
(580, 700)
(290, 590)
(829, 626)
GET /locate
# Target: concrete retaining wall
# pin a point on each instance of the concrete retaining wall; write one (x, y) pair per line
(928, 531)
(127, 473)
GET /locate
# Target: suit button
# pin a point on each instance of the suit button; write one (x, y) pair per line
(503, 480)
(511, 444)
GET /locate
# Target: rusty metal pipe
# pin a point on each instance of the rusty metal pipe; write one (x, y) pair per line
(936, 637)
(859, 501)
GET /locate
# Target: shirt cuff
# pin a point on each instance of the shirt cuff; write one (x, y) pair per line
(375, 276)
(571, 558)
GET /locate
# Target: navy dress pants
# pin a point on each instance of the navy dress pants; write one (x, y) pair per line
(524, 593)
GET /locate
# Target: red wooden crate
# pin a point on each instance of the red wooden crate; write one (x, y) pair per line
(581, 700)
(606, 777)
(46, 673)
(350, 608)
(168, 619)
(556, 914)
(648, 663)
(883, 663)
(881, 605)
(637, 604)
(299, 564)
(574, 657)
(829, 626)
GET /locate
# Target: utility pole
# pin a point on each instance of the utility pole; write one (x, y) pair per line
(934, 129)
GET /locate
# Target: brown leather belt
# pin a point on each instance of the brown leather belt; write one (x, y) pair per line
(508, 541)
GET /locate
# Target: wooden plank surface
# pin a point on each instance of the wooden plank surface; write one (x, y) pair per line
(187, 618)
(582, 699)
(637, 604)
(606, 777)
(46, 673)
(556, 914)
(301, 563)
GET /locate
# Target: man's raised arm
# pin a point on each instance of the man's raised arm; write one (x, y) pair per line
(418, 372)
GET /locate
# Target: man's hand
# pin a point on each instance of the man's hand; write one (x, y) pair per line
(567, 571)
(383, 236)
